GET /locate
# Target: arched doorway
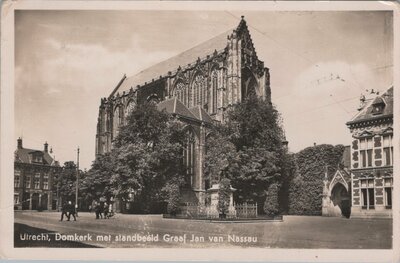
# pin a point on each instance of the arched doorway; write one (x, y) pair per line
(340, 197)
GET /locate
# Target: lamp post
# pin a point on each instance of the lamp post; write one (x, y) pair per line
(77, 184)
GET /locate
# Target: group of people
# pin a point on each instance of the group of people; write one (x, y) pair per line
(68, 210)
(102, 210)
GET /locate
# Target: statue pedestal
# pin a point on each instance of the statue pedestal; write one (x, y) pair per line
(213, 192)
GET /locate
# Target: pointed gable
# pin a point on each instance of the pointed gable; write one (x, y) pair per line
(201, 114)
(174, 106)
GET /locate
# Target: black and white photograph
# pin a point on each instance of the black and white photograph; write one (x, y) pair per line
(203, 128)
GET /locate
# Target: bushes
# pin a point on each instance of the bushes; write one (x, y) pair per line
(305, 190)
(271, 204)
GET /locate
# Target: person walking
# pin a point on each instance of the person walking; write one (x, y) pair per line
(64, 211)
(105, 211)
(97, 210)
(71, 211)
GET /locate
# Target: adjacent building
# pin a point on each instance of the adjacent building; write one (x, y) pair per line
(34, 173)
(372, 157)
(197, 86)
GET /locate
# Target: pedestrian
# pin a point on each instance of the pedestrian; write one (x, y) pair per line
(97, 209)
(64, 211)
(105, 211)
(71, 211)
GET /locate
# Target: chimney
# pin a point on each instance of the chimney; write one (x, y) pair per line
(46, 147)
(19, 143)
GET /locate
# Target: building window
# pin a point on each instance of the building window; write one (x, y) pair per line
(46, 182)
(27, 181)
(16, 199)
(198, 90)
(189, 157)
(387, 150)
(367, 193)
(37, 158)
(36, 182)
(388, 192)
(17, 178)
(366, 149)
(214, 88)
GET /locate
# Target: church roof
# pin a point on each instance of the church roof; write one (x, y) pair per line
(23, 156)
(217, 43)
(201, 114)
(174, 106)
(367, 112)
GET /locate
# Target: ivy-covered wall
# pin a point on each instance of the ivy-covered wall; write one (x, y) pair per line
(305, 188)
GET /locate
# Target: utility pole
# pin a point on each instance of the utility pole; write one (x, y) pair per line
(77, 183)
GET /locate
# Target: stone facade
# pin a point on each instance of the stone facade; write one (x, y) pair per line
(200, 84)
(34, 173)
(372, 157)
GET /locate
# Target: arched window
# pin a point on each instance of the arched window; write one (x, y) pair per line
(189, 155)
(198, 88)
(213, 93)
(179, 92)
(129, 107)
(117, 120)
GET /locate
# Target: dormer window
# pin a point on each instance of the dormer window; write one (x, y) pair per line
(37, 157)
(377, 106)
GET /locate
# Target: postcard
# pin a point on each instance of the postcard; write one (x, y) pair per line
(218, 131)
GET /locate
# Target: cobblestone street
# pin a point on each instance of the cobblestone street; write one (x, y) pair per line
(293, 232)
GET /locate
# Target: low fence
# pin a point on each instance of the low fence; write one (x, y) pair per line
(198, 211)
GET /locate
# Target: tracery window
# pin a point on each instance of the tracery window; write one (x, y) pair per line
(180, 92)
(116, 121)
(213, 93)
(189, 156)
(129, 107)
(198, 88)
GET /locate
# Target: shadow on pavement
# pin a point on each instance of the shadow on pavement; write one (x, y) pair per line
(21, 229)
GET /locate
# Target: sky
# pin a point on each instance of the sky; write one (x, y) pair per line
(320, 63)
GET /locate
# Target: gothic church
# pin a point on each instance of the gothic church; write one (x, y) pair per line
(197, 86)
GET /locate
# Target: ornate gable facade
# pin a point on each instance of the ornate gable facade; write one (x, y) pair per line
(372, 157)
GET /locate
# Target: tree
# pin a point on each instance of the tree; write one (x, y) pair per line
(96, 183)
(66, 182)
(254, 127)
(221, 154)
(146, 158)
(271, 204)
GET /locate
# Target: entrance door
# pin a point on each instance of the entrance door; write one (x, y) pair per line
(44, 202)
(340, 197)
(35, 201)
